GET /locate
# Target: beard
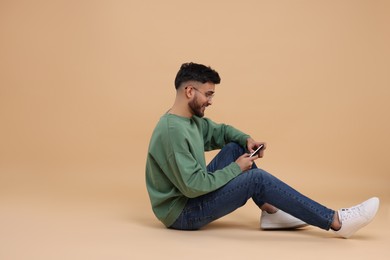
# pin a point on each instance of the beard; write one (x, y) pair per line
(197, 108)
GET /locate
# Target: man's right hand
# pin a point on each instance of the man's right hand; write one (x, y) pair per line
(245, 161)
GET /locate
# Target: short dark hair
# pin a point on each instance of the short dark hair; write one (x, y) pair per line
(196, 72)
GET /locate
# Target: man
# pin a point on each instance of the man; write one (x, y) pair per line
(187, 195)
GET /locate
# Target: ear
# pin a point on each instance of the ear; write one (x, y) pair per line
(188, 91)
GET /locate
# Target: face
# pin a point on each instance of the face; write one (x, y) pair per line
(203, 95)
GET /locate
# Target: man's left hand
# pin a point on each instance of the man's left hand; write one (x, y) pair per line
(252, 145)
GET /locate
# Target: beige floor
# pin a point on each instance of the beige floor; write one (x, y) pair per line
(76, 218)
(83, 83)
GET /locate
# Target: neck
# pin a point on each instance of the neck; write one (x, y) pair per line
(180, 109)
(180, 106)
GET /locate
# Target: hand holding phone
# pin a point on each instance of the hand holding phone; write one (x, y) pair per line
(257, 150)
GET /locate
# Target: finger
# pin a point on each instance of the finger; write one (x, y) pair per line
(261, 154)
(246, 155)
(251, 165)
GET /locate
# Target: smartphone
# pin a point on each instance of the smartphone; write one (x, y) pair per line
(257, 150)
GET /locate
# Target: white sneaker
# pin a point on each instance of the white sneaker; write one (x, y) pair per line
(279, 220)
(354, 218)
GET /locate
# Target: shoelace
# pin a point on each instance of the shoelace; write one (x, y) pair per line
(350, 213)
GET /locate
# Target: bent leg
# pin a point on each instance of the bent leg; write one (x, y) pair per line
(228, 154)
(261, 187)
(277, 193)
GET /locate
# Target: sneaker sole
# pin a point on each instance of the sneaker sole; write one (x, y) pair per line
(283, 226)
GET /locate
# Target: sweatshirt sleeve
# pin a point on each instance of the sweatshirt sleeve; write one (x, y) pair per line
(217, 135)
(193, 181)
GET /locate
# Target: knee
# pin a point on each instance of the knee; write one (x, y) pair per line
(259, 175)
(235, 147)
(263, 176)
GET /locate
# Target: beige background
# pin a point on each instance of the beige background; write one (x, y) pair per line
(82, 84)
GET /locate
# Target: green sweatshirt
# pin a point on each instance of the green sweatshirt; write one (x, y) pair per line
(176, 166)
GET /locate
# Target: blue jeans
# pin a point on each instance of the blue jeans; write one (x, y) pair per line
(257, 184)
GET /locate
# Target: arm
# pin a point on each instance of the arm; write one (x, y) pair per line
(215, 135)
(192, 180)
